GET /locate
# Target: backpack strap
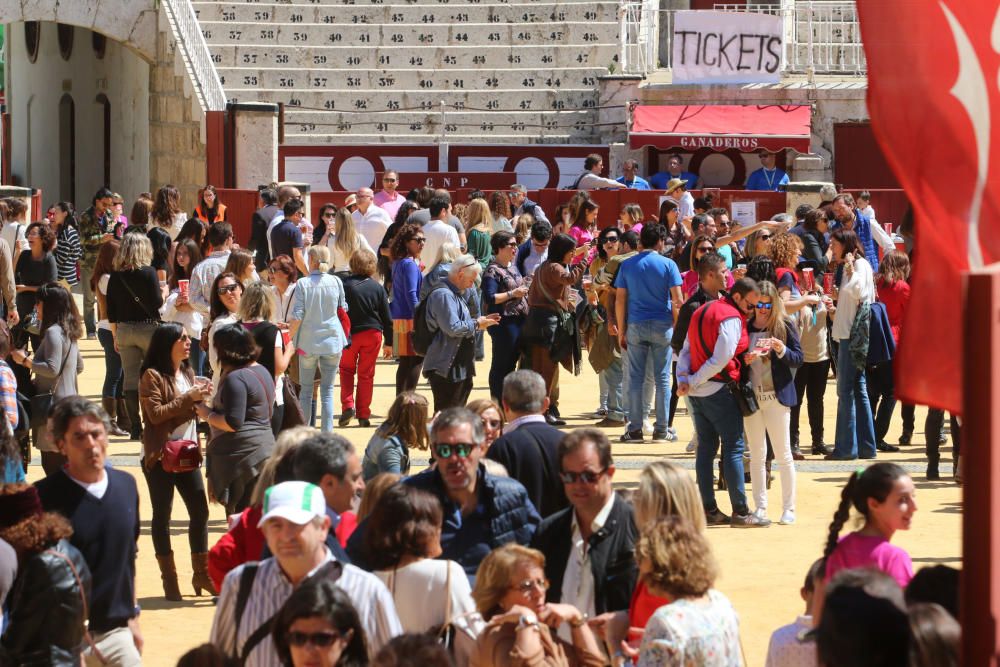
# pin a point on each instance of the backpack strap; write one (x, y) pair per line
(243, 593)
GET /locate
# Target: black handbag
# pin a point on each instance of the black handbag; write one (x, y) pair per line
(41, 403)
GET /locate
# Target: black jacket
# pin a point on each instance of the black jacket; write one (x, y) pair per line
(697, 300)
(47, 621)
(367, 305)
(612, 555)
(258, 235)
(530, 455)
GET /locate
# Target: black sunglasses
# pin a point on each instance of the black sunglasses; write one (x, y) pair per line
(706, 248)
(317, 639)
(587, 476)
(611, 239)
(226, 289)
(462, 449)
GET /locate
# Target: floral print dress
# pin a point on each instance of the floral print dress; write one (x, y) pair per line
(693, 633)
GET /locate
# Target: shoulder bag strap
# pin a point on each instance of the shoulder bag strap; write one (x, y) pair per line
(270, 409)
(138, 300)
(291, 299)
(83, 599)
(447, 594)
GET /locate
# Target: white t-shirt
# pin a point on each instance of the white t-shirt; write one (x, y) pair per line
(338, 260)
(188, 430)
(420, 589)
(372, 224)
(97, 489)
(175, 226)
(438, 233)
(858, 289)
(14, 234)
(102, 287)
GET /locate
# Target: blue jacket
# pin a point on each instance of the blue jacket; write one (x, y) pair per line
(534, 209)
(783, 368)
(523, 252)
(449, 317)
(863, 228)
(511, 516)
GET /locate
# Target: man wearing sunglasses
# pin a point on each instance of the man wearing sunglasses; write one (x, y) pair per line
(387, 198)
(481, 511)
(295, 526)
(527, 448)
(589, 546)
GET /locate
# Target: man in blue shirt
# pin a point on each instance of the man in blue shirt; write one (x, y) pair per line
(631, 179)
(647, 298)
(286, 238)
(768, 177)
(660, 179)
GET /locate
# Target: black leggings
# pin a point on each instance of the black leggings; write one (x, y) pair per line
(810, 385)
(408, 373)
(673, 395)
(191, 486)
(932, 430)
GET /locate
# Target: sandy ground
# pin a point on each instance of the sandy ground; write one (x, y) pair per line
(762, 569)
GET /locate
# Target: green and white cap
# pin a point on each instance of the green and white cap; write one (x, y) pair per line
(298, 502)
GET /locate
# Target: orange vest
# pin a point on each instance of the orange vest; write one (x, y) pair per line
(220, 214)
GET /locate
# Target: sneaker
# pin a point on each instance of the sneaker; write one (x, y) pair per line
(671, 434)
(601, 412)
(749, 521)
(659, 436)
(691, 446)
(631, 436)
(716, 518)
(345, 417)
(364, 422)
(886, 447)
(760, 513)
(92, 336)
(647, 427)
(787, 518)
(608, 422)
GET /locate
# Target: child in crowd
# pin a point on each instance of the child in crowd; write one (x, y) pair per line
(791, 645)
(884, 495)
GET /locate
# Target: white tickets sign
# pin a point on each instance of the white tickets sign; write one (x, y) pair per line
(727, 47)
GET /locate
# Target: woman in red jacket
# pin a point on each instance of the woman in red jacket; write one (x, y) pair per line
(894, 292)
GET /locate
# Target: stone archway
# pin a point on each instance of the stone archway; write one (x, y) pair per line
(133, 23)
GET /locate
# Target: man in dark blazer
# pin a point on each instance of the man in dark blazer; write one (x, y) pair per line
(590, 546)
(262, 218)
(528, 445)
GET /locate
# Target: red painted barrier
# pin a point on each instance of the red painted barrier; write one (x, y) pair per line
(240, 206)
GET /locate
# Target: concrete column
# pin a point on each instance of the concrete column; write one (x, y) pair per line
(256, 143)
(666, 26)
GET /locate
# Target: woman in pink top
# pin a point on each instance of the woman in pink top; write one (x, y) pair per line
(583, 230)
(702, 244)
(884, 494)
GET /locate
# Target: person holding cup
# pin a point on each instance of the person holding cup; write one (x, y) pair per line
(177, 307)
(168, 393)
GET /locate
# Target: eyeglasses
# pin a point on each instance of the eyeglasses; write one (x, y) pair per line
(329, 215)
(610, 239)
(764, 306)
(512, 244)
(419, 239)
(492, 423)
(706, 248)
(226, 289)
(388, 180)
(461, 449)
(528, 585)
(586, 476)
(317, 639)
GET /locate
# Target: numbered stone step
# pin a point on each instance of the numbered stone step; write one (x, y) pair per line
(578, 34)
(420, 100)
(455, 122)
(414, 14)
(548, 56)
(240, 78)
(366, 136)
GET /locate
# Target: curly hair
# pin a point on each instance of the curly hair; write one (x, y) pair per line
(785, 249)
(45, 235)
(404, 522)
(500, 205)
(495, 573)
(34, 533)
(681, 560)
(398, 250)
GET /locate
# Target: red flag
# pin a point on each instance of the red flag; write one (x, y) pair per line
(934, 100)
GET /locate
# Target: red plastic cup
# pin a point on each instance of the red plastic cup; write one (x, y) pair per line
(827, 283)
(184, 286)
(809, 279)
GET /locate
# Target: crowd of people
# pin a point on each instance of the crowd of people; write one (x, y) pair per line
(513, 547)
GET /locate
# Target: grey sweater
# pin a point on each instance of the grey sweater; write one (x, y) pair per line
(49, 376)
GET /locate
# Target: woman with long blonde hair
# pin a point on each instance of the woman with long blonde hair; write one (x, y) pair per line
(343, 241)
(774, 354)
(478, 230)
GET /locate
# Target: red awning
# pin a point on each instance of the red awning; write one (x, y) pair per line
(746, 128)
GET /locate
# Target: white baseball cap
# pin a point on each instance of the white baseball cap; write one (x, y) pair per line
(298, 502)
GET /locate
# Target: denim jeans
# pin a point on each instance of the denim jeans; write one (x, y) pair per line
(855, 430)
(718, 417)
(328, 366)
(645, 339)
(612, 377)
(114, 379)
(648, 386)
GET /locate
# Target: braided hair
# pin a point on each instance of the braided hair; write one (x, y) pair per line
(876, 482)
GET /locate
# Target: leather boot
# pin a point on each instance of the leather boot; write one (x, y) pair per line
(200, 579)
(123, 420)
(168, 573)
(932, 468)
(111, 408)
(135, 421)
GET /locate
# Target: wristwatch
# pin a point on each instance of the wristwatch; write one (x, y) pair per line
(580, 622)
(526, 621)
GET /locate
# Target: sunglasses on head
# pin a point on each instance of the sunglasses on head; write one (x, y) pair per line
(586, 476)
(461, 449)
(317, 639)
(764, 306)
(226, 289)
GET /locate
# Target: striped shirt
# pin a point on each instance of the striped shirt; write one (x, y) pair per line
(271, 588)
(68, 252)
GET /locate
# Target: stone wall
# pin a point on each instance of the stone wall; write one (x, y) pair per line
(176, 136)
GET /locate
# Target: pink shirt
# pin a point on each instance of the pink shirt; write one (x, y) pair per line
(582, 237)
(857, 550)
(389, 204)
(690, 284)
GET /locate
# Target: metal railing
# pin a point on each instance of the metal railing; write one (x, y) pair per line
(821, 36)
(639, 30)
(190, 43)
